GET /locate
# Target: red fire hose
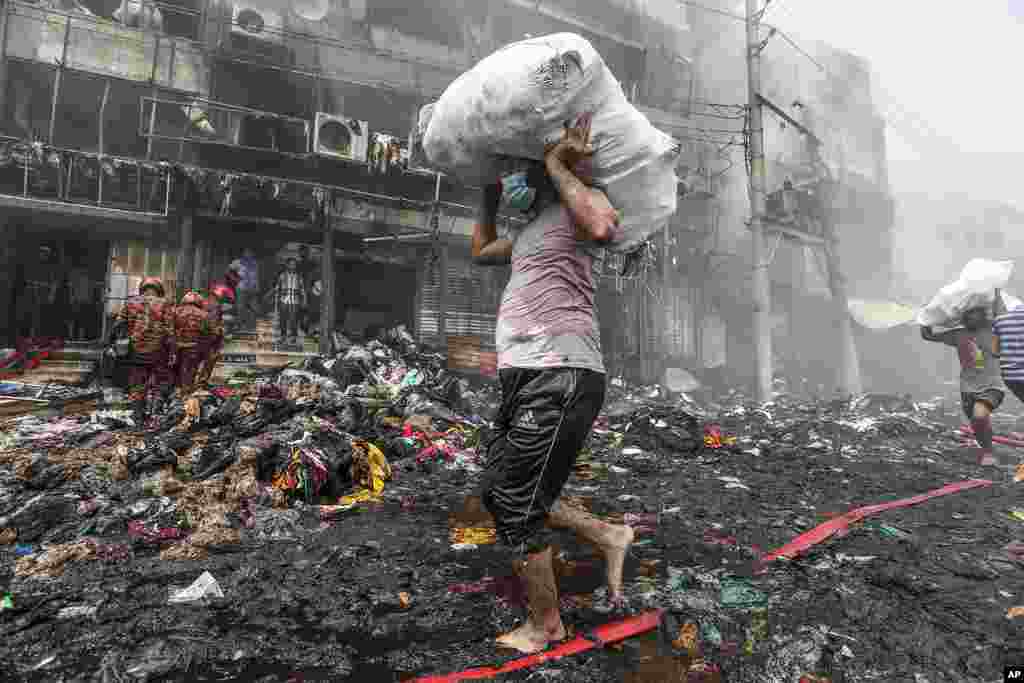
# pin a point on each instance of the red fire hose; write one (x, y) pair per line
(823, 531)
(607, 633)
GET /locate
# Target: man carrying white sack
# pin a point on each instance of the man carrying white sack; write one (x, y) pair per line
(551, 371)
(981, 389)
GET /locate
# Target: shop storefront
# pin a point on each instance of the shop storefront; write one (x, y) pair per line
(57, 269)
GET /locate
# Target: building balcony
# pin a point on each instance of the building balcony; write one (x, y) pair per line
(104, 47)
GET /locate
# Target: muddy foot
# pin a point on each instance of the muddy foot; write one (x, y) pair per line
(615, 547)
(528, 639)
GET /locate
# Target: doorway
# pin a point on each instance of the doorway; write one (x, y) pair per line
(58, 287)
(371, 296)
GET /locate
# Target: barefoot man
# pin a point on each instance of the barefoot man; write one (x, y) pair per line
(551, 371)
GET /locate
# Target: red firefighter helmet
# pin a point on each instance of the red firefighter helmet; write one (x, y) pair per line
(223, 294)
(153, 282)
(192, 299)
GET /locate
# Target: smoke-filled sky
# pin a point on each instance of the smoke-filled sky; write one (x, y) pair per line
(948, 79)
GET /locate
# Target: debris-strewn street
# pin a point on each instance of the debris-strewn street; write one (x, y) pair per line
(321, 524)
(593, 341)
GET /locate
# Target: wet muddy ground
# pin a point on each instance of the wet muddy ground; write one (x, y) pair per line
(379, 594)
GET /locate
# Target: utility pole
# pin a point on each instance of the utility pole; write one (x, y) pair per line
(761, 290)
(849, 364)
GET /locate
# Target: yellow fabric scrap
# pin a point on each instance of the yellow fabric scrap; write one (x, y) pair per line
(687, 638)
(363, 496)
(474, 535)
(370, 469)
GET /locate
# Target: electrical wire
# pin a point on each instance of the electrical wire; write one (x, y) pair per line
(767, 4)
(914, 127)
(712, 10)
(726, 131)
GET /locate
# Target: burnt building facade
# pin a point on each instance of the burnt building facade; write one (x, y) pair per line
(171, 138)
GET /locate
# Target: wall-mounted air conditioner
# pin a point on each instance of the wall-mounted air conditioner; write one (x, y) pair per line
(340, 137)
(417, 159)
(258, 20)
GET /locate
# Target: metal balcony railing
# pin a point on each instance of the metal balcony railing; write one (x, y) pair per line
(72, 177)
(211, 122)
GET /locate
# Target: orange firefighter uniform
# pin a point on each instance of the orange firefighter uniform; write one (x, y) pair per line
(192, 329)
(149, 322)
(216, 305)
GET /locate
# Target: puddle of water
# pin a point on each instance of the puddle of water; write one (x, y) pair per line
(645, 662)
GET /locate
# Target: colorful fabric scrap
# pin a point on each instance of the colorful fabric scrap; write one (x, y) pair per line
(306, 473)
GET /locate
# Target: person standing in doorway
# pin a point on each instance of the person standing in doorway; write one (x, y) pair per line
(313, 307)
(306, 268)
(248, 290)
(290, 295)
(981, 391)
(39, 295)
(81, 301)
(117, 291)
(551, 372)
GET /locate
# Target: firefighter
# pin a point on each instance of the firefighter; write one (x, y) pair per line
(150, 331)
(218, 307)
(228, 287)
(192, 331)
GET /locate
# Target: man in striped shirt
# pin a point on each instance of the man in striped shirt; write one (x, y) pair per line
(290, 292)
(1008, 346)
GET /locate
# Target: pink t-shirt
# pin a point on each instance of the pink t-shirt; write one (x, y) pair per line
(548, 314)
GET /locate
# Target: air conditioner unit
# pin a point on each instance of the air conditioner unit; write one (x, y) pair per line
(417, 158)
(258, 20)
(340, 137)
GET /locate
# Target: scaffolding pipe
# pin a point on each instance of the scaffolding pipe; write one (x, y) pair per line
(57, 78)
(102, 145)
(5, 18)
(152, 113)
(398, 238)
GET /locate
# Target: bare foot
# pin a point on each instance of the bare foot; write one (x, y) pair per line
(615, 545)
(529, 639)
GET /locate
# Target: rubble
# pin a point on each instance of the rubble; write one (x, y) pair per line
(341, 494)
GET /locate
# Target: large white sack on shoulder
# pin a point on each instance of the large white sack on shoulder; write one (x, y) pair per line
(976, 287)
(983, 275)
(517, 100)
(646, 199)
(949, 305)
(510, 102)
